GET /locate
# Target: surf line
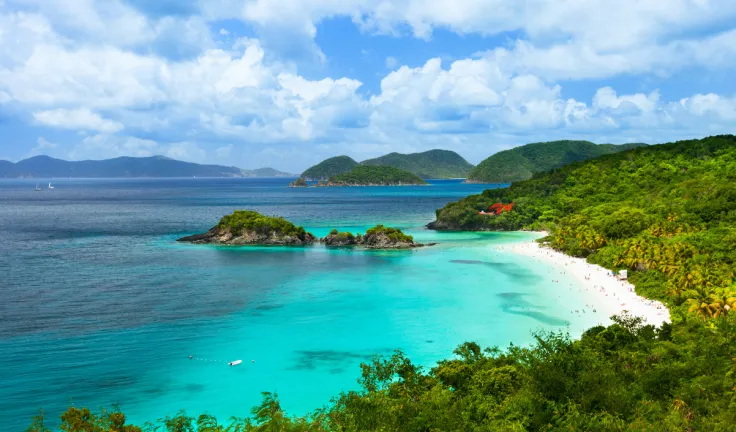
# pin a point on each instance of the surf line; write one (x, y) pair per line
(229, 363)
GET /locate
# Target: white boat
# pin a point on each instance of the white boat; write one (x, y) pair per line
(235, 363)
(50, 187)
(38, 188)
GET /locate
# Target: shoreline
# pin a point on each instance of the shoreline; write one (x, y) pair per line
(609, 294)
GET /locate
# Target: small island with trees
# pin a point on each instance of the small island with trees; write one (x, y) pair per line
(378, 237)
(248, 227)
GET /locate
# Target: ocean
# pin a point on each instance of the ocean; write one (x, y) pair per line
(101, 307)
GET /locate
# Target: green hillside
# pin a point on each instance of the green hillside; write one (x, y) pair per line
(364, 175)
(330, 167)
(520, 163)
(433, 164)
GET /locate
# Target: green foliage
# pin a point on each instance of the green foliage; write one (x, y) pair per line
(522, 162)
(665, 212)
(248, 220)
(342, 235)
(375, 175)
(330, 167)
(395, 234)
(433, 164)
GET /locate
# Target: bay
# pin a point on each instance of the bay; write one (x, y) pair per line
(101, 306)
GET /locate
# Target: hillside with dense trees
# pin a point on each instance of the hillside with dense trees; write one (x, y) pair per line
(520, 163)
(364, 175)
(432, 164)
(329, 167)
(666, 213)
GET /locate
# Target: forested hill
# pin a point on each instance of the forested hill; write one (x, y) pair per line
(520, 163)
(366, 175)
(330, 167)
(667, 213)
(434, 164)
(155, 166)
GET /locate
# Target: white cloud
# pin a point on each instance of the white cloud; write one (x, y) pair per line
(104, 69)
(102, 146)
(224, 151)
(186, 151)
(81, 118)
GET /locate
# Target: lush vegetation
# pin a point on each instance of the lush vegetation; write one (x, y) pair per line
(393, 234)
(430, 164)
(520, 163)
(668, 214)
(330, 167)
(251, 221)
(364, 175)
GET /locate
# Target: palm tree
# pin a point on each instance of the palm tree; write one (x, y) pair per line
(722, 302)
(700, 302)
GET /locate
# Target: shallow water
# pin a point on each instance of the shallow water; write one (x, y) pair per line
(102, 306)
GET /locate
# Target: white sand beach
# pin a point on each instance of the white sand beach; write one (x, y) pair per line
(610, 295)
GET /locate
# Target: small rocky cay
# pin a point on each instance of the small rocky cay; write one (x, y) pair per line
(247, 227)
(378, 237)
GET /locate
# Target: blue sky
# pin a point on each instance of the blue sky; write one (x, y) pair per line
(287, 83)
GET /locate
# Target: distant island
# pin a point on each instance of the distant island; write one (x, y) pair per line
(329, 168)
(154, 166)
(247, 227)
(364, 175)
(520, 163)
(432, 164)
(378, 237)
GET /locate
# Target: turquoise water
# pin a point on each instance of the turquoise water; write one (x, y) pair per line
(102, 306)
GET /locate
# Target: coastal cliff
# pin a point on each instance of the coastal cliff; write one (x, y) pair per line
(246, 227)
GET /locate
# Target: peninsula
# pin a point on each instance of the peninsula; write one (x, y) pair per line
(247, 227)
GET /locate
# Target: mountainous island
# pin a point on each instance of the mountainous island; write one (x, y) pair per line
(154, 166)
(365, 175)
(520, 163)
(329, 168)
(432, 164)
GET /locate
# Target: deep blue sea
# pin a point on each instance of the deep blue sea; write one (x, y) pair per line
(101, 306)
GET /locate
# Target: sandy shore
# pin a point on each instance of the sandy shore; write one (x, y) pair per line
(607, 293)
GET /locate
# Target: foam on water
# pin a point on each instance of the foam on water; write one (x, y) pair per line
(102, 306)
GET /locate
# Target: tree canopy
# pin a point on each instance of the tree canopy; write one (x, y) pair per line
(364, 175)
(520, 163)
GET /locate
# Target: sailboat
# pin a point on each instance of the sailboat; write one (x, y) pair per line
(50, 187)
(38, 188)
